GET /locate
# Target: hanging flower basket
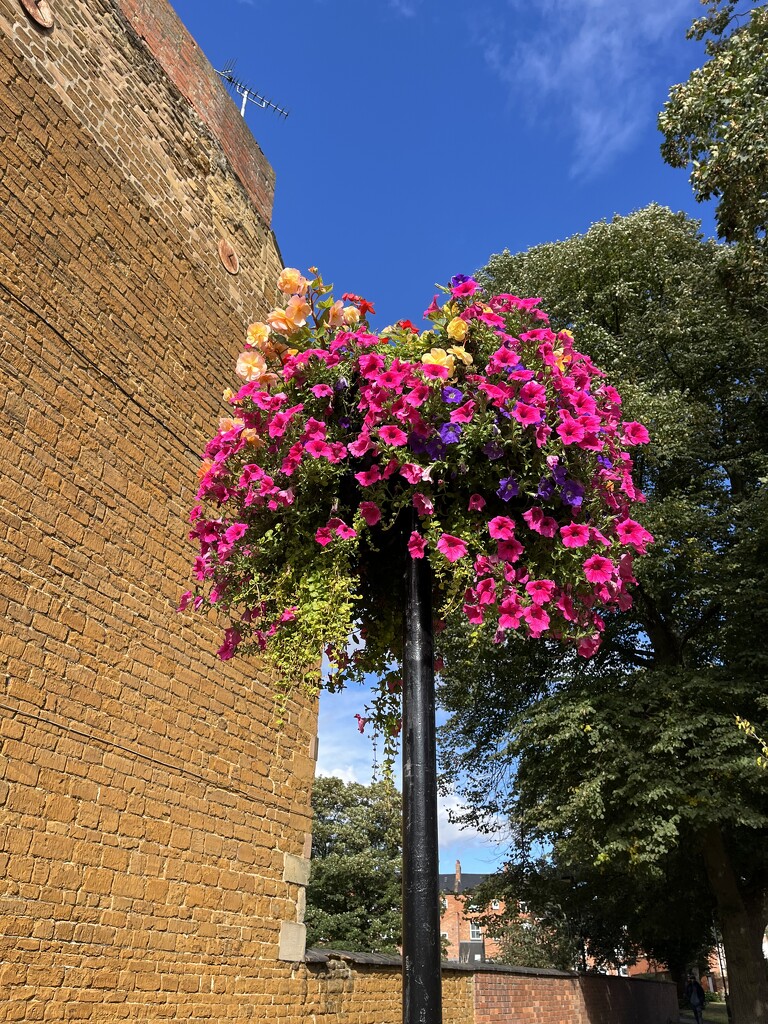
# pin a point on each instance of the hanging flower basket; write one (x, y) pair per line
(487, 444)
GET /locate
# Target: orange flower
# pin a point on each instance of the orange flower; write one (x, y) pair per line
(297, 310)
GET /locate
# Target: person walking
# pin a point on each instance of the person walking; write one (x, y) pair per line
(694, 993)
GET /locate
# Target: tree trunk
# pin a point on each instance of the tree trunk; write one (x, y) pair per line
(742, 922)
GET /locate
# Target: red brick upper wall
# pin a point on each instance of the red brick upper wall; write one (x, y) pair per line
(186, 65)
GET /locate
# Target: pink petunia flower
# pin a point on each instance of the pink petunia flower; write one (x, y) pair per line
(510, 550)
(635, 433)
(486, 591)
(393, 435)
(411, 472)
(417, 545)
(598, 569)
(527, 415)
(423, 504)
(501, 528)
(453, 548)
(318, 449)
(323, 535)
(345, 532)
(464, 413)
(322, 390)
(360, 446)
(476, 503)
(368, 477)
(575, 535)
(369, 510)
(536, 619)
(540, 523)
(541, 591)
(633, 533)
(235, 532)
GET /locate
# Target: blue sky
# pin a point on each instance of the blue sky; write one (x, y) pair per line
(425, 135)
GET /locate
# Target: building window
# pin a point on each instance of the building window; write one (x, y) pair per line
(495, 904)
(475, 931)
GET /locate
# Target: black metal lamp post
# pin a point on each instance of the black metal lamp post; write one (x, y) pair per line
(422, 989)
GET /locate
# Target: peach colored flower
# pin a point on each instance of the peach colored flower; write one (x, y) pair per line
(457, 329)
(336, 314)
(292, 282)
(297, 310)
(251, 365)
(351, 315)
(257, 334)
(279, 321)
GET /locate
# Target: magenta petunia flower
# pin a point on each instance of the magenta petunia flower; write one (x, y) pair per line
(541, 591)
(345, 532)
(423, 504)
(411, 472)
(501, 528)
(368, 477)
(486, 591)
(453, 548)
(318, 449)
(570, 431)
(635, 433)
(235, 532)
(323, 535)
(511, 612)
(540, 523)
(464, 413)
(361, 445)
(476, 503)
(510, 550)
(417, 545)
(629, 532)
(393, 435)
(369, 510)
(575, 535)
(322, 391)
(598, 569)
(536, 619)
(527, 415)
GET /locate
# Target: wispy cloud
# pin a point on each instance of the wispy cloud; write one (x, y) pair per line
(586, 69)
(406, 8)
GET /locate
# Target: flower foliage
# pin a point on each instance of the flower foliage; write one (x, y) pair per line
(487, 444)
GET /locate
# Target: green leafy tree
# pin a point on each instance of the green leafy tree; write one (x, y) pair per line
(353, 898)
(715, 123)
(624, 761)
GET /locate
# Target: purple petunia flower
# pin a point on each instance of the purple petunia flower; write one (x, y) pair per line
(572, 494)
(560, 475)
(450, 433)
(417, 444)
(458, 279)
(546, 487)
(452, 395)
(493, 450)
(604, 461)
(342, 384)
(435, 448)
(508, 488)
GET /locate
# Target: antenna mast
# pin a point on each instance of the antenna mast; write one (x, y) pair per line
(247, 93)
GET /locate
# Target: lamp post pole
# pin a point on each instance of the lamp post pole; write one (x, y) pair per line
(422, 1000)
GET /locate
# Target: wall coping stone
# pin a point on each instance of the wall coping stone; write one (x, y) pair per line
(322, 956)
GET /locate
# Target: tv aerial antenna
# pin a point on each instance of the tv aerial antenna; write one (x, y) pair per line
(247, 93)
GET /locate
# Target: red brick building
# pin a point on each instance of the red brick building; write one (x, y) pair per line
(464, 937)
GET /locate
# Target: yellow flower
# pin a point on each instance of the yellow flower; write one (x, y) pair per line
(351, 315)
(291, 282)
(461, 353)
(439, 357)
(457, 329)
(562, 359)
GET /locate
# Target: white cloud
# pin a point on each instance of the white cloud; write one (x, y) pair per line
(587, 68)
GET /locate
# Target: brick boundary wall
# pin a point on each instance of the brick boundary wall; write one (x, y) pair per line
(357, 988)
(154, 820)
